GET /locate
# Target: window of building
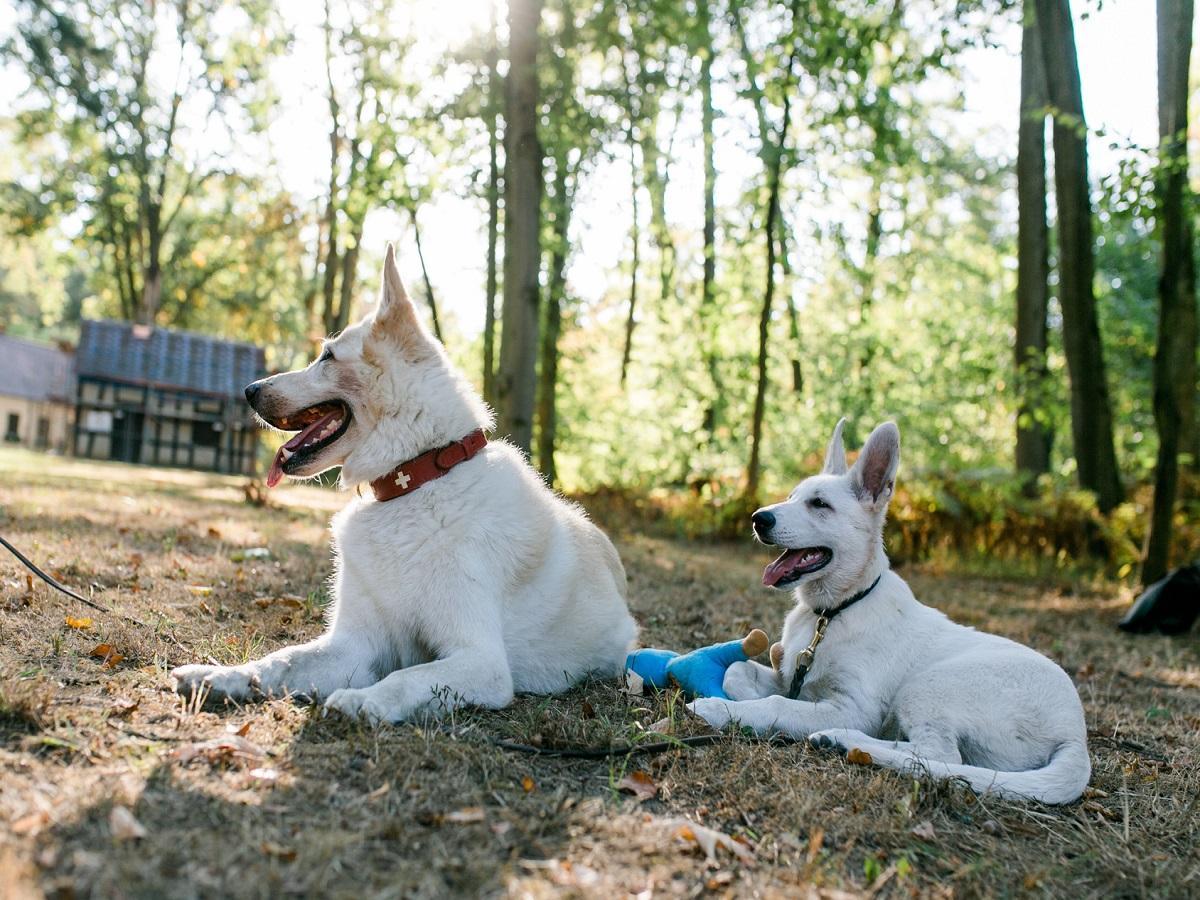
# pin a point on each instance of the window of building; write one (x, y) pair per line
(206, 434)
(13, 431)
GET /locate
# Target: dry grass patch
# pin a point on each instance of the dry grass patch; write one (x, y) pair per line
(270, 798)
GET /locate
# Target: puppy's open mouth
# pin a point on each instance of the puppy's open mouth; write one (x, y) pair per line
(316, 428)
(792, 565)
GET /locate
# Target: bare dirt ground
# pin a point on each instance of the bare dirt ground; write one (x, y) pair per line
(110, 786)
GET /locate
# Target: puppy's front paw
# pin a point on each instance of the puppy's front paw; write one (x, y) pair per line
(714, 711)
(218, 681)
(832, 739)
(749, 681)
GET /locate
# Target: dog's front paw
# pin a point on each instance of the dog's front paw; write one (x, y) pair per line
(358, 703)
(218, 681)
(713, 710)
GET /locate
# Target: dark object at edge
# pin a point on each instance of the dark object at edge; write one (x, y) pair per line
(1170, 605)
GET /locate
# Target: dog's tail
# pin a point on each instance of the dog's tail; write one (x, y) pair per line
(1061, 780)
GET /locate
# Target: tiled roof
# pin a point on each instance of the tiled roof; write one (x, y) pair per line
(160, 357)
(34, 371)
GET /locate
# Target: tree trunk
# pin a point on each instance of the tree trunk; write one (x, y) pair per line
(493, 195)
(516, 383)
(1091, 412)
(630, 319)
(152, 276)
(1175, 354)
(341, 316)
(708, 286)
(555, 296)
(1033, 267)
(433, 312)
(754, 468)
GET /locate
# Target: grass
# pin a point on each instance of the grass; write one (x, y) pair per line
(270, 799)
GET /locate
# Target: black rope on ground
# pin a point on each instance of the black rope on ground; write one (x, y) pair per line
(653, 749)
(63, 588)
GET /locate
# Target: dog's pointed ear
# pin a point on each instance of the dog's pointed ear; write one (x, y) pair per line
(396, 315)
(835, 453)
(874, 473)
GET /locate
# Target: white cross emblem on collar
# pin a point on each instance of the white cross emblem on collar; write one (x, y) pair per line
(402, 480)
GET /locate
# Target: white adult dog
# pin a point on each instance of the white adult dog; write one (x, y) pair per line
(892, 677)
(470, 581)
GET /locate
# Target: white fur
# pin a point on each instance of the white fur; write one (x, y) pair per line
(893, 677)
(477, 585)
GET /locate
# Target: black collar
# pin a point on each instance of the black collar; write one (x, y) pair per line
(824, 617)
(848, 602)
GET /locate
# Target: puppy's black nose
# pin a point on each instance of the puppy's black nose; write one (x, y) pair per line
(252, 391)
(762, 521)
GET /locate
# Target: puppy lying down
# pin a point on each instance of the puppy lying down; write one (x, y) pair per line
(867, 667)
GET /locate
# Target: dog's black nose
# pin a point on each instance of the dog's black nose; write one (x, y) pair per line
(252, 391)
(763, 521)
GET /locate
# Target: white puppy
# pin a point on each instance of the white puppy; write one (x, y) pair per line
(478, 583)
(892, 677)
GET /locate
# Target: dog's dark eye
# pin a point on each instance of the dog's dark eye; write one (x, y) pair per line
(818, 503)
(326, 355)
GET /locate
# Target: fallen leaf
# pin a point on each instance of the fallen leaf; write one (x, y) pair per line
(123, 706)
(28, 584)
(859, 757)
(227, 749)
(278, 851)
(719, 880)
(200, 590)
(380, 791)
(240, 732)
(108, 653)
(124, 826)
(640, 784)
(924, 830)
(499, 828)
(468, 815)
(29, 825)
(528, 784)
(587, 710)
(265, 774)
(80, 624)
(214, 533)
(634, 683)
(709, 840)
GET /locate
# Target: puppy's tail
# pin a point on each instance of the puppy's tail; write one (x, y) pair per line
(1061, 780)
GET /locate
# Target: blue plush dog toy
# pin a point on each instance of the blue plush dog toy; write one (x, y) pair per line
(701, 672)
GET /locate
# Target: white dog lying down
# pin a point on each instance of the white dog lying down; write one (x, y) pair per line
(480, 583)
(892, 677)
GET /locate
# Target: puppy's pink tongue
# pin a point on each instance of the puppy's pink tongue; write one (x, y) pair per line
(776, 570)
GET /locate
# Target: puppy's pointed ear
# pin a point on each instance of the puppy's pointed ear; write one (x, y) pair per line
(874, 473)
(835, 453)
(396, 316)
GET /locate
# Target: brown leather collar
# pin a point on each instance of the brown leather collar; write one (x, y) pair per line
(408, 476)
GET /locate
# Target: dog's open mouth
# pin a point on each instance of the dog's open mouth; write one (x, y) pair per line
(317, 427)
(794, 564)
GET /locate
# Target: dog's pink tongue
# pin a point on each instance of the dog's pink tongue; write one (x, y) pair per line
(275, 473)
(778, 569)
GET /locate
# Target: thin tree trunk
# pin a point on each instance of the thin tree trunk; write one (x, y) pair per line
(708, 286)
(332, 255)
(754, 468)
(433, 312)
(516, 382)
(341, 316)
(1091, 411)
(493, 113)
(630, 319)
(555, 296)
(1033, 266)
(1175, 354)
